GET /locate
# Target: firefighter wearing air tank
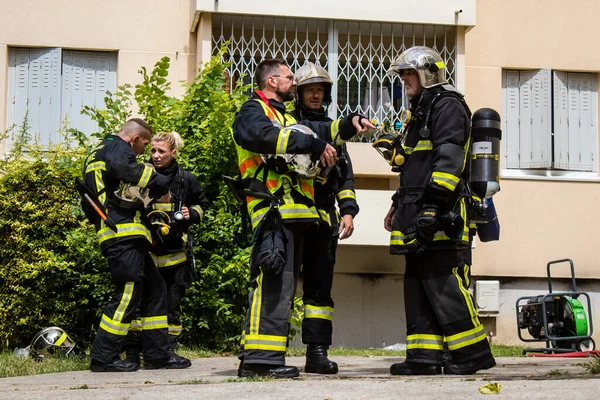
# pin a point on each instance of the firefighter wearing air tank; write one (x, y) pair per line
(313, 88)
(265, 135)
(428, 224)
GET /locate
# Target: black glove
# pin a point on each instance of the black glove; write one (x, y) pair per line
(427, 226)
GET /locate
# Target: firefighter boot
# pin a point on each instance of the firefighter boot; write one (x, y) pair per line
(132, 355)
(274, 371)
(317, 361)
(117, 365)
(470, 367)
(174, 361)
(411, 368)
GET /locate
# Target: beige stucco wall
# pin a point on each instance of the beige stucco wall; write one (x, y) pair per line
(412, 11)
(541, 219)
(141, 31)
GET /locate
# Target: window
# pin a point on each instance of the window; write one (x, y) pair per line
(550, 120)
(357, 55)
(51, 85)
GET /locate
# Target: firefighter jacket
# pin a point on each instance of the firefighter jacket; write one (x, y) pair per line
(171, 250)
(110, 163)
(260, 128)
(336, 183)
(436, 142)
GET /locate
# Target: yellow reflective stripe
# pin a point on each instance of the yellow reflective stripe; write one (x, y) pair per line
(130, 229)
(425, 341)
(175, 330)
(163, 206)
(96, 166)
(297, 211)
(466, 149)
(114, 327)
(243, 339)
(99, 186)
(466, 274)
(440, 64)
(145, 178)
(265, 342)
(168, 260)
(466, 338)
(334, 128)
(198, 209)
(268, 111)
(346, 194)
(446, 180)
(159, 322)
(282, 141)
(468, 298)
(397, 238)
(318, 312)
(256, 306)
(124, 302)
(61, 339)
(136, 325)
(422, 145)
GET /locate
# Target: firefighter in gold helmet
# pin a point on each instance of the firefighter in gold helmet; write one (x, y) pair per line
(313, 91)
(280, 216)
(428, 224)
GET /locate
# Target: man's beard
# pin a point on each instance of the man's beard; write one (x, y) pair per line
(286, 96)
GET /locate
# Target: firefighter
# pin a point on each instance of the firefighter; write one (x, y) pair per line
(428, 224)
(262, 126)
(172, 251)
(313, 89)
(138, 282)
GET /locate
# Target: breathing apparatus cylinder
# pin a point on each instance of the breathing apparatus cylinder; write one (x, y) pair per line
(486, 134)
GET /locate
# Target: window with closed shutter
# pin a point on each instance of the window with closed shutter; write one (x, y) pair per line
(549, 120)
(49, 86)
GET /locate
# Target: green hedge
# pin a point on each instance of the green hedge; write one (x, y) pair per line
(51, 269)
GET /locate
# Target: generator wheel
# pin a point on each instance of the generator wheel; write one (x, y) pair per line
(586, 345)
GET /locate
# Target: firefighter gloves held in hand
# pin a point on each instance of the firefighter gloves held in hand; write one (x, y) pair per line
(427, 226)
(268, 252)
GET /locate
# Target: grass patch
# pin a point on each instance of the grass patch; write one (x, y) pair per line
(84, 386)
(193, 382)
(499, 350)
(13, 366)
(557, 372)
(593, 366)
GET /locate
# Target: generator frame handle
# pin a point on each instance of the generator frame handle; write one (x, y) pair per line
(573, 283)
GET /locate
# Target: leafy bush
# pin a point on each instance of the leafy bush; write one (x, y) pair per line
(51, 270)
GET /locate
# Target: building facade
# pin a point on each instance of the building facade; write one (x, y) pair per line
(529, 61)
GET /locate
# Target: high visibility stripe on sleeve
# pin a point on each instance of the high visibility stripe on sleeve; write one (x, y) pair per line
(446, 180)
(282, 141)
(100, 186)
(346, 194)
(318, 312)
(198, 209)
(145, 178)
(334, 129)
(96, 166)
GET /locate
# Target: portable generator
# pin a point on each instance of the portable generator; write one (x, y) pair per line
(557, 318)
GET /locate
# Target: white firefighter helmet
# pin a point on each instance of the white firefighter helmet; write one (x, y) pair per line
(302, 164)
(312, 73)
(52, 341)
(429, 65)
(133, 197)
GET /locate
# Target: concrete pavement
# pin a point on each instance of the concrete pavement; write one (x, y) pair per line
(359, 378)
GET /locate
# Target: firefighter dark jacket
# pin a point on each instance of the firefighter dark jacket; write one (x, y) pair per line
(339, 182)
(262, 128)
(113, 161)
(170, 250)
(437, 162)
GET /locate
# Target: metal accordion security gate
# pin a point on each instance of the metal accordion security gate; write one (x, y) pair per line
(356, 54)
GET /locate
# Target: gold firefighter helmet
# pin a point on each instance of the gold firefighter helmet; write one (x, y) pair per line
(312, 73)
(429, 65)
(302, 164)
(52, 341)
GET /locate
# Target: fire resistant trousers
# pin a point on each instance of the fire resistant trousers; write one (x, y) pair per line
(138, 284)
(439, 308)
(264, 340)
(176, 281)
(318, 260)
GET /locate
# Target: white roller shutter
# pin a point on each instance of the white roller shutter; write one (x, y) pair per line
(561, 120)
(541, 140)
(510, 139)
